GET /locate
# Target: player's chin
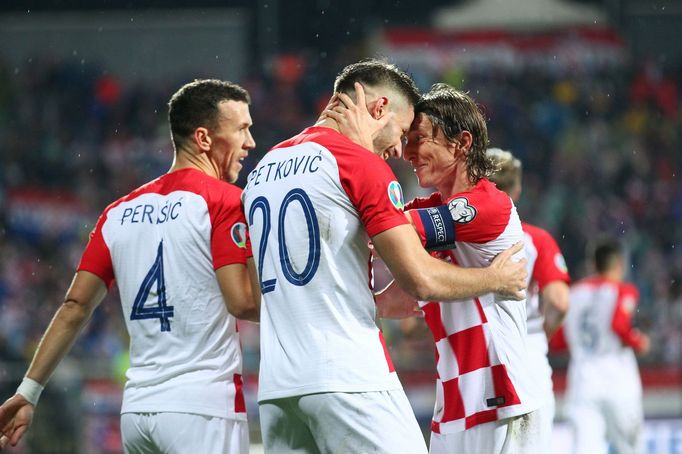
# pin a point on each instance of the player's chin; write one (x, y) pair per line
(232, 173)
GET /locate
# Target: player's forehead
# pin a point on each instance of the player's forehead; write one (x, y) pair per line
(234, 112)
(422, 125)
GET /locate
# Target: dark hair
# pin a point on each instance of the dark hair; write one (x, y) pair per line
(606, 250)
(506, 169)
(453, 111)
(373, 73)
(196, 104)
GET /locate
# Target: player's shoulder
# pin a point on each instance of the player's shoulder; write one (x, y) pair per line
(485, 196)
(341, 147)
(629, 288)
(189, 180)
(540, 236)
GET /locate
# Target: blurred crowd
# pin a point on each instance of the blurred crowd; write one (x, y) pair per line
(601, 152)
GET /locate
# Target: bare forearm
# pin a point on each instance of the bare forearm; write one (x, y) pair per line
(445, 283)
(60, 336)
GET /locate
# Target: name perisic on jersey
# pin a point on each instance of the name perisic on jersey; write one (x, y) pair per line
(286, 167)
(170, 210)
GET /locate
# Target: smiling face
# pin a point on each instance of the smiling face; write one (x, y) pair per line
(231, 139)
(432, 157)
(389, 141)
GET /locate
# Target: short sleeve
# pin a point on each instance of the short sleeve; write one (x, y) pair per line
(550, 265)
(96, 258)
(230, 241)
(372, 188)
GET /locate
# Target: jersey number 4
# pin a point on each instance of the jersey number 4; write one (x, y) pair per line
(161, 310)
(302, 278)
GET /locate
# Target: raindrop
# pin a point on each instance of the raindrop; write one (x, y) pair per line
(317, 35)
(82, 61)
(322, 12)
(132, 20)
(16, 70)
(74, 52)
(266, 6)
(30, 60)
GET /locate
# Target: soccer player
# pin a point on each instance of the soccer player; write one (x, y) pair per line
(177, 249)
(604, 394)
(486, 393)
(327, 383)
(547, 299)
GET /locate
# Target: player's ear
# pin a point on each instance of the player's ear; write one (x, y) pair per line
(379, 107)
(202, 139)
(463, 143)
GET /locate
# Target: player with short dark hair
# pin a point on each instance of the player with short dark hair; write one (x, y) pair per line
(178, 250)
(604, 392)
(327, 382)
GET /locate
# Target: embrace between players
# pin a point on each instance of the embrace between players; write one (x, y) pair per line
(326, 381)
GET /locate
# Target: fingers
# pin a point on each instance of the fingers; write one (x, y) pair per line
(511, 251)
(18, 433)
(360, 91)
(3, 441)
(344, 99)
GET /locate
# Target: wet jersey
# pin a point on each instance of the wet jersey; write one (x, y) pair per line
(162, 244)
(483, 372)
(311, 204)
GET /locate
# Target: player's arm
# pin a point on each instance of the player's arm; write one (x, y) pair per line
(239, 286)
(86, 292)
(430, 279)
(621, 323)
(554, 305)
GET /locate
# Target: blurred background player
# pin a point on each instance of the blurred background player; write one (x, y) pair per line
(486, 393)
(547, 293)
(604, 395)
(327, 382)
(178, 251)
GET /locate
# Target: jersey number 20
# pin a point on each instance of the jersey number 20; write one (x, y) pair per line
(302, 278)
(161, 311)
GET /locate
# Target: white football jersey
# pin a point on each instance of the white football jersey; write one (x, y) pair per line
(601, 339)
(162, 244)
(311, 204)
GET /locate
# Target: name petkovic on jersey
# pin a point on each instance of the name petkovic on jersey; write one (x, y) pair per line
(151, 213)
(287, 166)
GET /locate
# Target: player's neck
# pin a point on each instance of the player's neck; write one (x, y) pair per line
(459, 183)
(327, 123)
(187, 160)
(612, 275)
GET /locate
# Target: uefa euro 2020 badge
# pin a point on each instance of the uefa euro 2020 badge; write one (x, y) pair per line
(460, 209)
(395, 194)
(239, 234)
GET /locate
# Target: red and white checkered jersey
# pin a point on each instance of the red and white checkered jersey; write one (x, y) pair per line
(483, 372)
(312, 203)
(545, 264)
(599, 333)
(162, 244)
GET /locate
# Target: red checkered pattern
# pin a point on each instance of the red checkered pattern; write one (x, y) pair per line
(469, 371)
(483, 374)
